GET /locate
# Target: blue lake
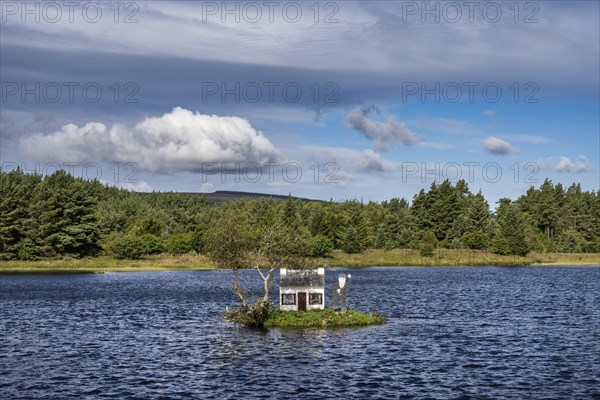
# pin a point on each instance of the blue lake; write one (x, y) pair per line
(458, 332)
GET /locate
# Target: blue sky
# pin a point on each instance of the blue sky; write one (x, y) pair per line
(193, 98)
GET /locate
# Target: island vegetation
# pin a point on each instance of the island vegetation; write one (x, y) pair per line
(236, 243)
(318, 319)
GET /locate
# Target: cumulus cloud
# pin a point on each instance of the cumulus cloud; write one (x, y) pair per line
(207, 188)
(497, 146)
(350, 164)
(370, 161)
(139, 186)
(565, 164)
(381, 134)
(177, 141)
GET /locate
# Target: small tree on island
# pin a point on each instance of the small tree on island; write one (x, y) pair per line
(234, 243)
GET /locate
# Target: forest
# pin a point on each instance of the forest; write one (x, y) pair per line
(60, 216)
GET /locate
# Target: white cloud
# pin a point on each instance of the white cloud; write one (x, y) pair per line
(367, 31)
(347, 160)
(489, 113)
(565, 164)
(382, 134)
(370, 161)
(139, 186)
(207, 188)
(497, 146)
(177, 141)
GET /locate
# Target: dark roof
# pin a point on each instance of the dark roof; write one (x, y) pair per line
(302, 277)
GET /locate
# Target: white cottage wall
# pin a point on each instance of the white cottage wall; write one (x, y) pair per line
(298, 289)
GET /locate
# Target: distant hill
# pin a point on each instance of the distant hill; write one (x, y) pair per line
(227, 195)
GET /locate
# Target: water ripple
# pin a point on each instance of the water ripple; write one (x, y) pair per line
(461, 333)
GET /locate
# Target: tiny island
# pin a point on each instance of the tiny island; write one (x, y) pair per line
(234, 245)
(302, 303)
(302, 299)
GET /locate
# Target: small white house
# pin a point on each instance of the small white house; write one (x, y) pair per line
(301, 290)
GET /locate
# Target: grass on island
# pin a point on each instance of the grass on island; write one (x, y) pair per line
(369, 258)
(327, 318)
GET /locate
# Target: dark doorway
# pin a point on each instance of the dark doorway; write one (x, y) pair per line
(301, 301)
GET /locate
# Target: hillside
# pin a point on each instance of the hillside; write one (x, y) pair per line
(227, 195)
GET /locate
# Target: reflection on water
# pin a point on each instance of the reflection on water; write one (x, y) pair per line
(470, 332)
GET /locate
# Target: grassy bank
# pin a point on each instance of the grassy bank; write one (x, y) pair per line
(397, 257)
(327, 318)
(451, 257)
(106, 263)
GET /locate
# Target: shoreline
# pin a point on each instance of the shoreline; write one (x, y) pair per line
(369, 258)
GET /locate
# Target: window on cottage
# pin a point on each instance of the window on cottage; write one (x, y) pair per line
(315, 299)
(288, 299)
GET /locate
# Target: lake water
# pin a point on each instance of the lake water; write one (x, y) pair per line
(459, 332)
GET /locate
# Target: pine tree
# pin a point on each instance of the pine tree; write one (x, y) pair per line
(407, 238)
(479, 213)
(16, 189)
(511, 230)
(547, 209)
(350, 241)
(381, 238)
(62, 218)
(290, 213)
(461, 226)
(420, 209)
(437, 209)
(333, 225)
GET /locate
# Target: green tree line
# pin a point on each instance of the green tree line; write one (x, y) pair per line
(61, 216)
